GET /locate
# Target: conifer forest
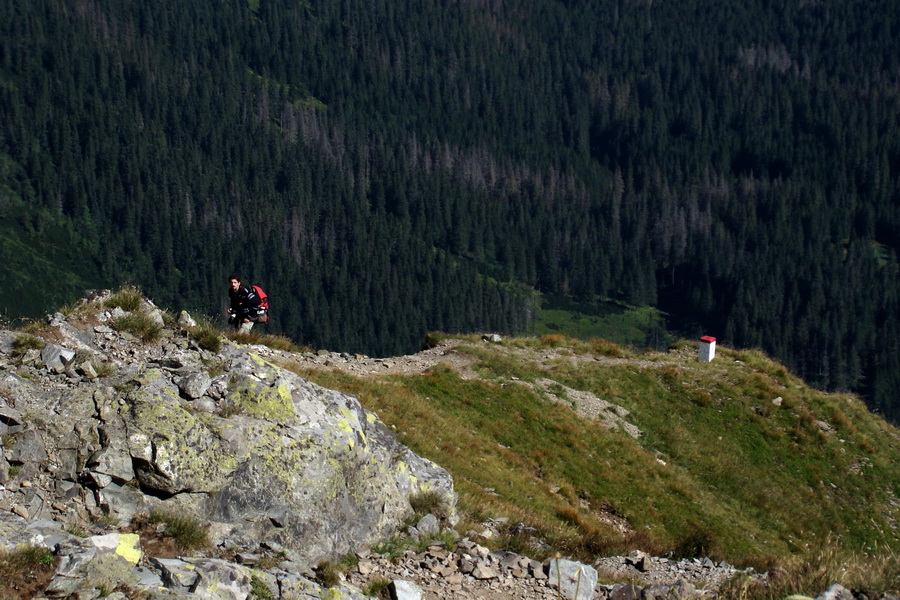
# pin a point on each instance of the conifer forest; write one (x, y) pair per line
(389, 167)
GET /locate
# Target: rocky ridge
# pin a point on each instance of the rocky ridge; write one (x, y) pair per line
(100, 429)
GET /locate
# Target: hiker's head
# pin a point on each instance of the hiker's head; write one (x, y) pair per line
(235, 281)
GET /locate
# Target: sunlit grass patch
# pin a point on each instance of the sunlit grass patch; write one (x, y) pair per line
(186, 531)
(207, 336)
(139, 325)
(128, 298)
(275, 342)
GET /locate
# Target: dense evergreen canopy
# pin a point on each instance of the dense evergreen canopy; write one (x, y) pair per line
(386, 167)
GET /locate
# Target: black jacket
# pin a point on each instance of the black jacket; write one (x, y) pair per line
(244, 302)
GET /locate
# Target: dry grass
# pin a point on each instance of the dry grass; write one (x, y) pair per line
(874, 572)
(25, 571)
(25, 342)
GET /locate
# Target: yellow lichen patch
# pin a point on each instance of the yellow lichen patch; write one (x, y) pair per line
(178, 443)
(128, 547)
(261, 400)
(260, 360)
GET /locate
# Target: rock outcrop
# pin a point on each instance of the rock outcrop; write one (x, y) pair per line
(226, 438)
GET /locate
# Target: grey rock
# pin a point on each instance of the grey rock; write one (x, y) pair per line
(87, 368)
(56, 358)
(176, 573)
(101, 562)
(186, 320)
(28, 447)
(574, 580)
(835, 592)
(220, 580)
(194, 385)
(205, 405)
(121, 503)
(10, 417)
(625, 591)
(679, 591)
(299, 587)
(113, 462)
(400, 589)
(484, 571)
(428, 525)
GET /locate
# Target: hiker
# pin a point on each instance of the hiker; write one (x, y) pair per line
(244, 303)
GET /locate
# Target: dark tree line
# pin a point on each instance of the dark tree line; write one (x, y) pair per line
(385, 168)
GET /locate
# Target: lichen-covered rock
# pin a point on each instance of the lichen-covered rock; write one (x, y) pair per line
(259, 455)
(333, 478)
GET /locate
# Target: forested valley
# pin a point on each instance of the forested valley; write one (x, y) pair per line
(389, 167)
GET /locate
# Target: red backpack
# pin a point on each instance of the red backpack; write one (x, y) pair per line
(262, 311)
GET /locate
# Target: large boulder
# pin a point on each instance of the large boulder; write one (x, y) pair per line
(254, 448)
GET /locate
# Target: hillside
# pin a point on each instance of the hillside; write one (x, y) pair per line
(600, 448)
(651, 468)
(388, 168)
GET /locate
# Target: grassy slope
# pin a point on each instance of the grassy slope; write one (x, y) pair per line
(721, 469)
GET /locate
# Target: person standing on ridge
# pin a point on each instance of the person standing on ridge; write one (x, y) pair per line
(244, 303)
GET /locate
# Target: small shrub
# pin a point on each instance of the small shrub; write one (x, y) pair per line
(275, 342)
(228, 411)
(140, 326)
(433, 339)
(104, 368)
(603, 347)
(185, 531)
(128, 299)
(811, 574)
(75, 530)
(259, 589)
(377, 587)
(214, 367)
(553, 340)
(392, 547)
(328, 573)
(698, 543)
(430, 502)
(348, 562)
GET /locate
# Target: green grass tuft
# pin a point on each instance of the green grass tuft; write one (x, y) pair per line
(186, 531)
(128, 298)
(259, 589)
(140, 326)
(377, 587)
(207, 337)
(25, 342)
